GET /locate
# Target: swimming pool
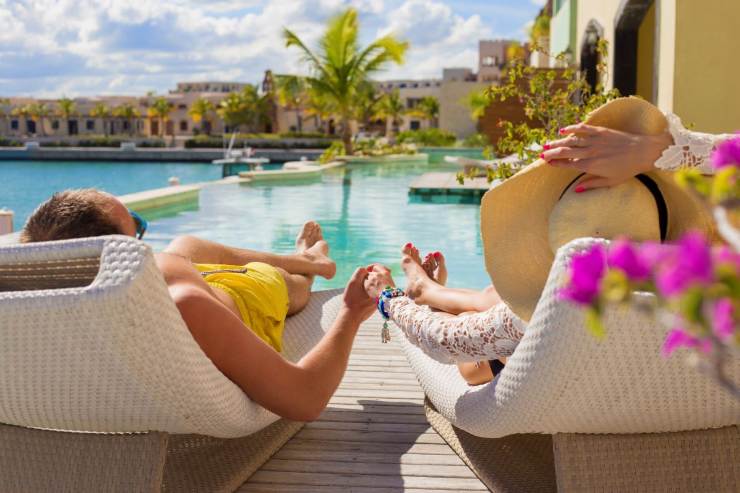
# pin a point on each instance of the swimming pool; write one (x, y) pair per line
(365, 211)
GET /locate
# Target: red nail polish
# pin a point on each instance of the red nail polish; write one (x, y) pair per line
(409, 245)
(542, 155)
(437, 254)
(580, 189)
(546, 147)
(561, 131)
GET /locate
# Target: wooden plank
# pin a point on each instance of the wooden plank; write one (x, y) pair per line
(321, 479)
(339, 399)
(370, 427)
(370, 468)
(376, 409)
(382, 380)
(368, 437)
(367, 457)
(366, 417)
(292, 488)
(381, 369)
(378, 393)
(353, 447)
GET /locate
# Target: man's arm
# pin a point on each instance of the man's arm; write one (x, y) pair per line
(297, 391)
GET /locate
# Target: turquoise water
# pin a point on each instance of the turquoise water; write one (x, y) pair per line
(365, 211)
(25, 184)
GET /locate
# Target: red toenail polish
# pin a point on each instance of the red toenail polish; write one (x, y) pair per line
(409, 245)
(437, 254)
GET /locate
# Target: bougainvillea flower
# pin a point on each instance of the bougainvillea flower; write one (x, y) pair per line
(723, 318)
(688, 265)
(725, 255)
(678, 338)
(727, 153)
(586, 271)
(625, 257)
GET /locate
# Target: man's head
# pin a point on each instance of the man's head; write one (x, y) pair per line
(78, 214)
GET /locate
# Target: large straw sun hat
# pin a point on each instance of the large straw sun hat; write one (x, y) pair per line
(528, 217)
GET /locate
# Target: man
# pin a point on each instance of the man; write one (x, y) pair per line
(233, 301)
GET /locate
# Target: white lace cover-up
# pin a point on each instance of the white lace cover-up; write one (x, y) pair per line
(496, 332)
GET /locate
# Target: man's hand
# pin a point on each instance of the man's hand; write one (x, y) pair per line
(378, 279)
(356, 300)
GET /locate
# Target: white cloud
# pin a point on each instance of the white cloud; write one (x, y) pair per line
(539, 3)
(85, 47)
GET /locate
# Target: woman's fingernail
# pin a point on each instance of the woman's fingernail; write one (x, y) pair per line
(580, 189)
(546, 147)
(542, 155)
(561, 131)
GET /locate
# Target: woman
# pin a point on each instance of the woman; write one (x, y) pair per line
(623, 139)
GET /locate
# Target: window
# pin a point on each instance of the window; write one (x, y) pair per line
(415, 85)
(14, 124)
(183, 126)
(182, 106)
(90, 124)
(402, 85)
(490, 61)
(415, 125)
(126, 125)
(55, 124)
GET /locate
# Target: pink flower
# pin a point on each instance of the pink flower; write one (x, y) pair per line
(727, 153)
(725, 255)
(688, 265)
(678, 338)
(586, 271)
(723, 318)
(625, 257)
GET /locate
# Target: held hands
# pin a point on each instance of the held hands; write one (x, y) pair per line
(378, 279)
(356, 300)
(608, 156)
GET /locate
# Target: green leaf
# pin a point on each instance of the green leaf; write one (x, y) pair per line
(615, 286)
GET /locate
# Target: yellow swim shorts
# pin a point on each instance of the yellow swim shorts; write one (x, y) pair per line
(260, 294)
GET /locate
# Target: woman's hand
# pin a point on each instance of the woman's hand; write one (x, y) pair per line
(378, 279)
(608, 156)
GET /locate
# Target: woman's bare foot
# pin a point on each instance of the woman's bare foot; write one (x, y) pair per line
(436, 268)
(417, 279)
(310, 243)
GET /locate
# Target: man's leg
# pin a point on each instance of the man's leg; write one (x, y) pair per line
(306, 261)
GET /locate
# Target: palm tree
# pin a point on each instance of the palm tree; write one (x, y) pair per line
(427, 108)
(391, 109)
(366, 103)
(67, 109)
(102, 111)
(340, 66)
(38, 112)
(160, 109)
(247, 108)
(201, 110)
(320, 108)
(129, 113)
(232, 111)
(292, 92)
(5, 111)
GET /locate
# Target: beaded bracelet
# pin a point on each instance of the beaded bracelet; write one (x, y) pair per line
(385, 296)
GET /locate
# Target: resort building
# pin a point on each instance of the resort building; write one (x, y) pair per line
(665, 51)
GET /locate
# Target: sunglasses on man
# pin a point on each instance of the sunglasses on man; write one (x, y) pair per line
(140, 223)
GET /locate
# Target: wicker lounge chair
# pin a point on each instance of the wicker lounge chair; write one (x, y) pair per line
(621, 417)
(92, 343)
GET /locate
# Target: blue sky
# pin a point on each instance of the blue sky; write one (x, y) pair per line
(94, 47)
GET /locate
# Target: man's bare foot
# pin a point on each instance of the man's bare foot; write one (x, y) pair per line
(416, 277)
(308, 236)
(310, 243)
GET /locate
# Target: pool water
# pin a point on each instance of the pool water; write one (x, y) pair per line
(25, 184)
(365, 211)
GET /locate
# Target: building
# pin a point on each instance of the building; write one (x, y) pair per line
(492, 59)
(674, 53)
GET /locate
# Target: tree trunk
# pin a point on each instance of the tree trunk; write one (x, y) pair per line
(41, 124)
(346, 136)
(299, 120)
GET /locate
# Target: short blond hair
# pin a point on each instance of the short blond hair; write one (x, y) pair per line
(70, 214)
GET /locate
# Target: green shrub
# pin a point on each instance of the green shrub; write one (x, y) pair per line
(108, 142)
(10, 142)
(476, 140)
(335, 150)
(257, 141)
(430, 137)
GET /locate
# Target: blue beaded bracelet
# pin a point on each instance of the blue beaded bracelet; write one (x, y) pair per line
(385, 296)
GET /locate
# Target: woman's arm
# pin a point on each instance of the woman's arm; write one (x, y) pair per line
(447, 338)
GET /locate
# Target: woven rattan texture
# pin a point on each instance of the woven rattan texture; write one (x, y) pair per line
(36, 461)
(115, 355)
(506, 465)
(689, 461)
(561, 379)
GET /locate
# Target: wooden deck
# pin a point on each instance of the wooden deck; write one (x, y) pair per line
(445, 184)
(372, 438)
